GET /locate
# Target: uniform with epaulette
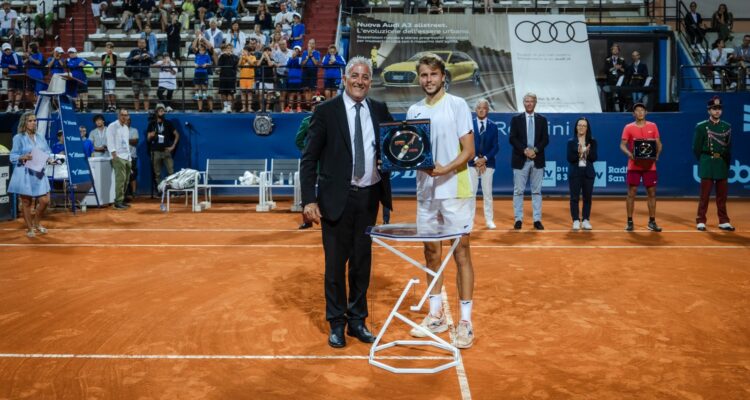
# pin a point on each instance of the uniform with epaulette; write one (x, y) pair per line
(712, 149)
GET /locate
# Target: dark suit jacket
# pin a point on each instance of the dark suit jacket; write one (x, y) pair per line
(690, 23)
(641, 71)
(574, 169)
(612, 79)
(485, 145)
(328, 159)
(518, 140)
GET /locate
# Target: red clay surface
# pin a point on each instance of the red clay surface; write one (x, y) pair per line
(557, 314)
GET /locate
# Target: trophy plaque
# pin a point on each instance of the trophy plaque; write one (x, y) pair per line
(644, 149)
(405, 145)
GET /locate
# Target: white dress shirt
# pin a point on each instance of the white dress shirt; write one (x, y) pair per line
(371, 175)
(118, 140)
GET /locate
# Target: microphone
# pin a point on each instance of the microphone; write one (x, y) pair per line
(188, 124)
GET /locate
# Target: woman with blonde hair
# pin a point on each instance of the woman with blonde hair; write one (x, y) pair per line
(27, 183)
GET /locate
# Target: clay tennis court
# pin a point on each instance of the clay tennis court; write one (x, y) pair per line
(228, 304)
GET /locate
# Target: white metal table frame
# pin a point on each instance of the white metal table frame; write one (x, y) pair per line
(435, 341)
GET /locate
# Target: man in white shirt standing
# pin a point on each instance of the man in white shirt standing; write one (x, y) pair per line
(118, 145)
(285, 18)
(281, 56)
(8, 18)
(445, 193)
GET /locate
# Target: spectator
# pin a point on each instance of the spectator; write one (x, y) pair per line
(35, 70)
(722, 22)
(294, 85)
(109, 75)
(167, 81)
(187, 13)
(613, 69)
(434, 7)
(174, 40)
(298, 32)
(198, 39)
(258, 35)
(98, 136)
(12, 65)
(129, 10)
(205, 9)
(332, 64)
(215, 37)
(146, 11)
(263, 18)
(162, 140)
(152, 45)
(133, 142)
(80, 85)
(285, 18)
(227, 76)
(55, 64)
(98, 7)
(741, 56)
(165, 9)
(59, 147)
(139, 62)
(264, 77)
(310, 62)
(228, 9)
(694, 26)
(281, 56)
(236, 38)
(8, 23)
(636, 74)
(718, 56)
(247, 78)
(88, 145)
(278, 35)
(28, 28)
(118, 138)
(200, 78)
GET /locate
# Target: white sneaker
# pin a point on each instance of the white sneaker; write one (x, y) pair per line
(491, 225)
(9, 109)
(15, 109)
(464, 335)
(432, 324)
(587, 225)
(701, 226)
(726, 227)
(169, 109)
(576, 225)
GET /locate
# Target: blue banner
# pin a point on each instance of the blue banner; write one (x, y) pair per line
(231, 136)
(78, 165)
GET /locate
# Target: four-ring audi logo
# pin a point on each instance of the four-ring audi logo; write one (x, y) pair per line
(551, 32)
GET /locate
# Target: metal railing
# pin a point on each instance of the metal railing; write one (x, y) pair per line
(703, 78)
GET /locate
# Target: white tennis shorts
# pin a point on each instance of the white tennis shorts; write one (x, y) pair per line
(452, 215)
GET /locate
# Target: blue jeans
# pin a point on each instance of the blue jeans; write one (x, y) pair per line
(520, 177)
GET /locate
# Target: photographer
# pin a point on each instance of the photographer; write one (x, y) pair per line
(264, 77)
(162, 139)
(139, 62)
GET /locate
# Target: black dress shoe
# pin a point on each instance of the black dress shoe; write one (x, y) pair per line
(517, 225)
(336, 338)
(305, 225)
(360, 332)
(538, 225)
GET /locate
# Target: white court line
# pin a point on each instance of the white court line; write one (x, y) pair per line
(199, 230)
(208, 357)
(463, 381)
(310, 246)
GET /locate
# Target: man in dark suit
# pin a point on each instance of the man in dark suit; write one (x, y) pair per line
(483, 165)
(613, 68)
(528, 138)
(636, 74)
(341, 155)
(694, 26)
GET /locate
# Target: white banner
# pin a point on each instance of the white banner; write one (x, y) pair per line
(551, 58)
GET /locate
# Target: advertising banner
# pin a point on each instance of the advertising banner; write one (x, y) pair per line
(79, 171)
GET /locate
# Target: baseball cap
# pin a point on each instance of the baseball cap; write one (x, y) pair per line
(639, 104)
(297, 48)
(72, 50)
(59, 50)
(7, 46)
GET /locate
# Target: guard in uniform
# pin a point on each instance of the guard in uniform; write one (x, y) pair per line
(712, 148)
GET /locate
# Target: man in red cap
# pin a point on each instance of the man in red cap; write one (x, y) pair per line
(712, 149)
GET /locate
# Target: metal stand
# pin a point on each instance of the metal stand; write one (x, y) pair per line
(409, 233)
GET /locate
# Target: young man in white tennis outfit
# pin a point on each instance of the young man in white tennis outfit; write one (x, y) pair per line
(444, 194)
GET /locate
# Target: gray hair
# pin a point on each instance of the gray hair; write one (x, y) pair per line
(357, 60)
(529, 94)
(482, 101)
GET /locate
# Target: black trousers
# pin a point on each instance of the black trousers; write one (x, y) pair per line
(580, 183)
(345, 241)
(165, 99)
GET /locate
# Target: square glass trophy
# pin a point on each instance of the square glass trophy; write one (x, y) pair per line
(405, 145)
(644, 149)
